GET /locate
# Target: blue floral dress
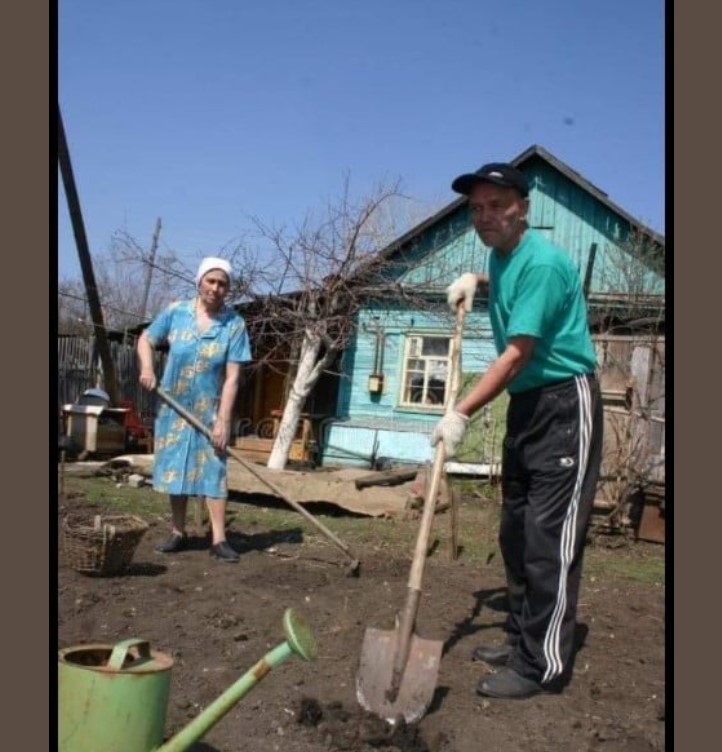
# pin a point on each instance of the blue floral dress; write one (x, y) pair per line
(185, 462)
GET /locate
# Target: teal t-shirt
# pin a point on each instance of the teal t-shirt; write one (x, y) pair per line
(535, 291)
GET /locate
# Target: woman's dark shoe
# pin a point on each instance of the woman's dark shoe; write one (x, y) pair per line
(223, 552)
(507, 684)
(494, 655)
(176, 542)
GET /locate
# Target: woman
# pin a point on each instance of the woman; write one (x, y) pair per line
(208, 342)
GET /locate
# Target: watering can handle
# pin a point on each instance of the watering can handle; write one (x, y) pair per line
(120, 652)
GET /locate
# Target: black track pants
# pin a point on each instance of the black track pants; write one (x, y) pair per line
(551, 459)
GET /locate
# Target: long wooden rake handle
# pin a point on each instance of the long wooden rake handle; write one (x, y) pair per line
(196, 423)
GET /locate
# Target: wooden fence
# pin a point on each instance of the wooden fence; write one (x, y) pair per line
(632, 376)
(79, 369)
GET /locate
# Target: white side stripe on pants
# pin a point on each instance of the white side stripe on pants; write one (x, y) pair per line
(568, 536)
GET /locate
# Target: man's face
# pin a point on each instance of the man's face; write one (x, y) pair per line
(498, 215)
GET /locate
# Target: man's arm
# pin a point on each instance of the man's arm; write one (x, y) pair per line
(501, 372)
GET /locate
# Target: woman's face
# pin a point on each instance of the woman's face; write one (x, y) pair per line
(213, 288)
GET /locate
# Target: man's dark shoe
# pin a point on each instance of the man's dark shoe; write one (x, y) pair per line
(494, 655)
(176, 542)
(223, 552)
(507, 684)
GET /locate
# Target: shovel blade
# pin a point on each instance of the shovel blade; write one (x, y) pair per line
(418, 681)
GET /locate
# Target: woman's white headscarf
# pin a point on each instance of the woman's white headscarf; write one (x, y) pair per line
(213, 262)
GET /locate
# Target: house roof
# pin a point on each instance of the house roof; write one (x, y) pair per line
(534, 151)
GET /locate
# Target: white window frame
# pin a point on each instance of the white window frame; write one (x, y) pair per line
(413, 349)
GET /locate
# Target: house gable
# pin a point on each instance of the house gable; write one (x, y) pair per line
(568, 209)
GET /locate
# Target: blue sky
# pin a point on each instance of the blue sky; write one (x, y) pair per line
(204, 112)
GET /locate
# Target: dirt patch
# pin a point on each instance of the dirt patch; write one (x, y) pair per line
(216, 620)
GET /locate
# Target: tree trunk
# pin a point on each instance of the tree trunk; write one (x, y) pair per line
(306, 376)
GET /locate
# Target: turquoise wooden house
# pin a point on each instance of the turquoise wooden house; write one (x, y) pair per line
(394, 372)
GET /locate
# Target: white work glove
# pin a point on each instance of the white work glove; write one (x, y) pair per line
(462, 288)
(450, 429)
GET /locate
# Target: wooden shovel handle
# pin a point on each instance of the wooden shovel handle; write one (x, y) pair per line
(408, 615)
(427, 517)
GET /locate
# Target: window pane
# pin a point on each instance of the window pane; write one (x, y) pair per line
(436, 392)
(438, 369)
(435, 346)
(436, 382)
(414, 388)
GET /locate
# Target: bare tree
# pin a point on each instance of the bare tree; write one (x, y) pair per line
(323, 271)
(173, 273)
(134, 284)
(121, 275)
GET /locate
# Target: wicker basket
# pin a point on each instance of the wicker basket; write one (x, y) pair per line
(100, 545)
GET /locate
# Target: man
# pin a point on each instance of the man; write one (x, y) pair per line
(552, 448)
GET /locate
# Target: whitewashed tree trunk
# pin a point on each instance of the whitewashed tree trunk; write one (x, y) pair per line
(309, 370)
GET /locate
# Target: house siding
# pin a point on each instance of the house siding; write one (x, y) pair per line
(371, 426)
(571, 216)
(354, 398)
(575, 220)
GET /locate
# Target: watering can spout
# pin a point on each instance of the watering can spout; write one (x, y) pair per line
(100, 687)
(299, 641)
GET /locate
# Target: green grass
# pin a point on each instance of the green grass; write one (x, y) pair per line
(485, 434)
(123, 498)
(478, 526)
(636, 561)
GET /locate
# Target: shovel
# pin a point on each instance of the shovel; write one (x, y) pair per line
(398, 669)
(354, 563)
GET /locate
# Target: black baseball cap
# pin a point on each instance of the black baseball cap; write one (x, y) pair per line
(499, 173)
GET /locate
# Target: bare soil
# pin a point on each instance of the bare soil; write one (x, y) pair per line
(216, 620)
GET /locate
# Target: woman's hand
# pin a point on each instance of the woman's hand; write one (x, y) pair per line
(148, 380)
(145, 357)
(220, 434)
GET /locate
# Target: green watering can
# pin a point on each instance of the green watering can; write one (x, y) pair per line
(114, 698)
